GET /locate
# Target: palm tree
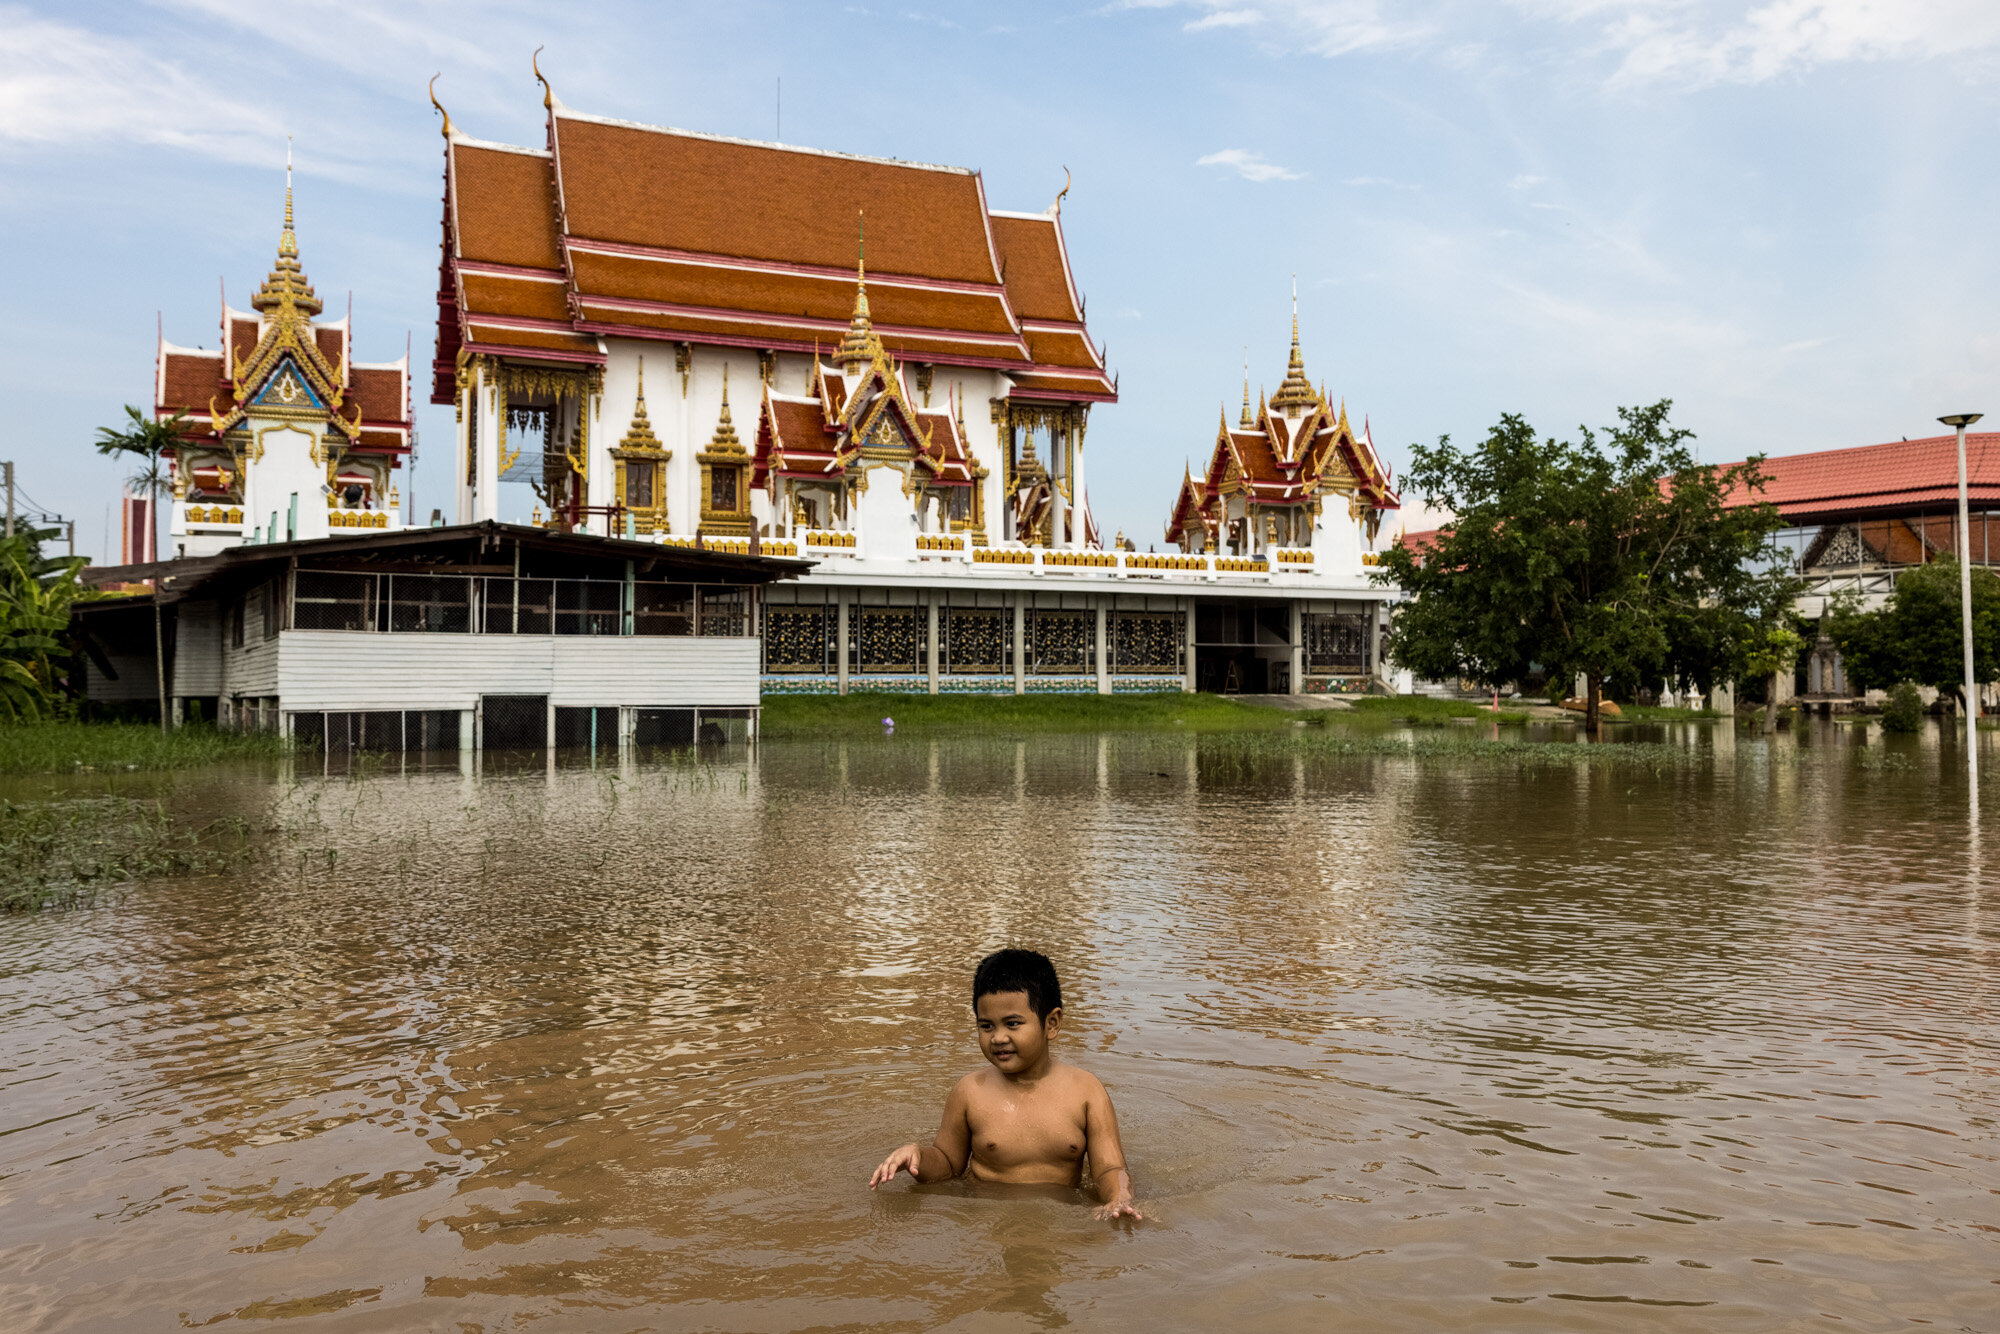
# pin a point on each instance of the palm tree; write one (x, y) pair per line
(149, 442)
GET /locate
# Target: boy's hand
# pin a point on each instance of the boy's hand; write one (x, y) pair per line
(1122, 1207)
(909, 1159)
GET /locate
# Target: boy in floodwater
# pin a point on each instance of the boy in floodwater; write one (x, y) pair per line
(1030, 1119)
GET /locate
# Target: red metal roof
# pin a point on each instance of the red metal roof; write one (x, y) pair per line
(1877, 479)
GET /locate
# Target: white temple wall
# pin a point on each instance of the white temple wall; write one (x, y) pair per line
(287, 469)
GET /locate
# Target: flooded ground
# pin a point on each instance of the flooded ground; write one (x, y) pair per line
(1398, 1044)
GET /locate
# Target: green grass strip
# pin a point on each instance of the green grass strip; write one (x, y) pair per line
(68, 747)
(790, 717)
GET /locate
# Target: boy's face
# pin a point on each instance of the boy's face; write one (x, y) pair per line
(1010, 1036)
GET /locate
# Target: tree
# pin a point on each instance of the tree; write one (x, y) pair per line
(1768, 651)
(35, 598)
(1622, 562)
(1918, 634)
(149, 442)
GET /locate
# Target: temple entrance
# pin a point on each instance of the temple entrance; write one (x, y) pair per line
(1242, 647)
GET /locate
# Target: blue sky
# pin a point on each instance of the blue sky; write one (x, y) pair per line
(1781, 215)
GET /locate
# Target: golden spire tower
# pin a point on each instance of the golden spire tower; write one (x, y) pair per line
(861, 344)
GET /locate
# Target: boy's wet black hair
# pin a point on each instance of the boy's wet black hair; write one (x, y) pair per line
(1019, 970)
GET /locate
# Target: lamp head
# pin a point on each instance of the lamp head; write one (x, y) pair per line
(1961, 418)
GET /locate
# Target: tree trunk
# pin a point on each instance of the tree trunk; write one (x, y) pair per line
(1592, 683)
(160, 658)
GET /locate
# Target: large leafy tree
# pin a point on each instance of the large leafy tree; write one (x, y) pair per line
(1616, 559)
(1918, 634)
(35, 597)
(147, 442)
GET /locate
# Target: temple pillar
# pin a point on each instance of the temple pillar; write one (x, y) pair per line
(1187, 628)
(1020, 644)
(1298, 673)
(1103, 646)
(931, 640)
(1079, 505)
(840, 638)
(487, 441)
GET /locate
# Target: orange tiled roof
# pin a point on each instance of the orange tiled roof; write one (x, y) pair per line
(188, 380)
(636, 224)
(1877, 479)
(380, 392)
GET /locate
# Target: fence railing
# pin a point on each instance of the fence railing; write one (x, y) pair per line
(503, 605)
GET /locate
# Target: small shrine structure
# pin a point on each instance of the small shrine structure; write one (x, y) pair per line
(287, 437)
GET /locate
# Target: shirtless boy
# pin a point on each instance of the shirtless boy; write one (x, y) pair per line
(1030, 1119)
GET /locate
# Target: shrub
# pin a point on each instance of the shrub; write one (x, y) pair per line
(1905, 710)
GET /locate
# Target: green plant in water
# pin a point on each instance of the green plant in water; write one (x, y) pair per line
(52, 853)
(1905, 710)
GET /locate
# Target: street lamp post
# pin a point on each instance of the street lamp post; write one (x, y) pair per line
(1959, 421)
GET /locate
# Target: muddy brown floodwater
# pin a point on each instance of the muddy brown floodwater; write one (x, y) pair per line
(1706, 1042)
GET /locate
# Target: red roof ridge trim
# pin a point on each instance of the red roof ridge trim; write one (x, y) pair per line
(564, 113)
(722, 314)
(703, 259)
(488, 269)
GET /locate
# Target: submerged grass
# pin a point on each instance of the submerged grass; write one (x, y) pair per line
(68, 747)
(793, 717)
(54, 853)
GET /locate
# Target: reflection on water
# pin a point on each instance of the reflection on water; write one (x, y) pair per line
(1397, 1043)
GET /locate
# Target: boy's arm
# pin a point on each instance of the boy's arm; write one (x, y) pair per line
(1107, 1155)
(944, 1157)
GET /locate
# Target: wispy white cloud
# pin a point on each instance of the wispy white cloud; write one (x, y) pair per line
(1223, 18)
(1790, 36)
(64, 85)
(1691, 43)
(1250, 166)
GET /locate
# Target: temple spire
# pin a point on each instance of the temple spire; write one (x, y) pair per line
(861, 345)
(1296, 391)
(725, 429)
(286, 287)
(639, 435)
(1247, 420)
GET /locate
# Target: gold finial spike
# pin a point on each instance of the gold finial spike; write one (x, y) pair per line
(288, 241)
(861, 345)
(1247, 420)
(447, 131)
(1296, 391)
(725, 427)
(548, 93)
(1056, 208)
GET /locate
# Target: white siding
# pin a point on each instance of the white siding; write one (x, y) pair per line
(198, 650)
(347, 670)
(253, 669)
(658, 671)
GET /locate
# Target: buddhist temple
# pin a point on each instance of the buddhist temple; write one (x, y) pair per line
(287, 436)
(691, 340)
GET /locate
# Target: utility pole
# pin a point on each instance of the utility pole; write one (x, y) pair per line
(9, 468)
(1961, 420)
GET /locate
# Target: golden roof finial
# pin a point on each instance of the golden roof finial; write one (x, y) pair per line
(288, 242)
(1296, 391)
(439, 105)
(861, 344)
(1247, 419)
(548, 93)
(725, 428)
(639, 435)
(1056, 208)
(286, 288)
